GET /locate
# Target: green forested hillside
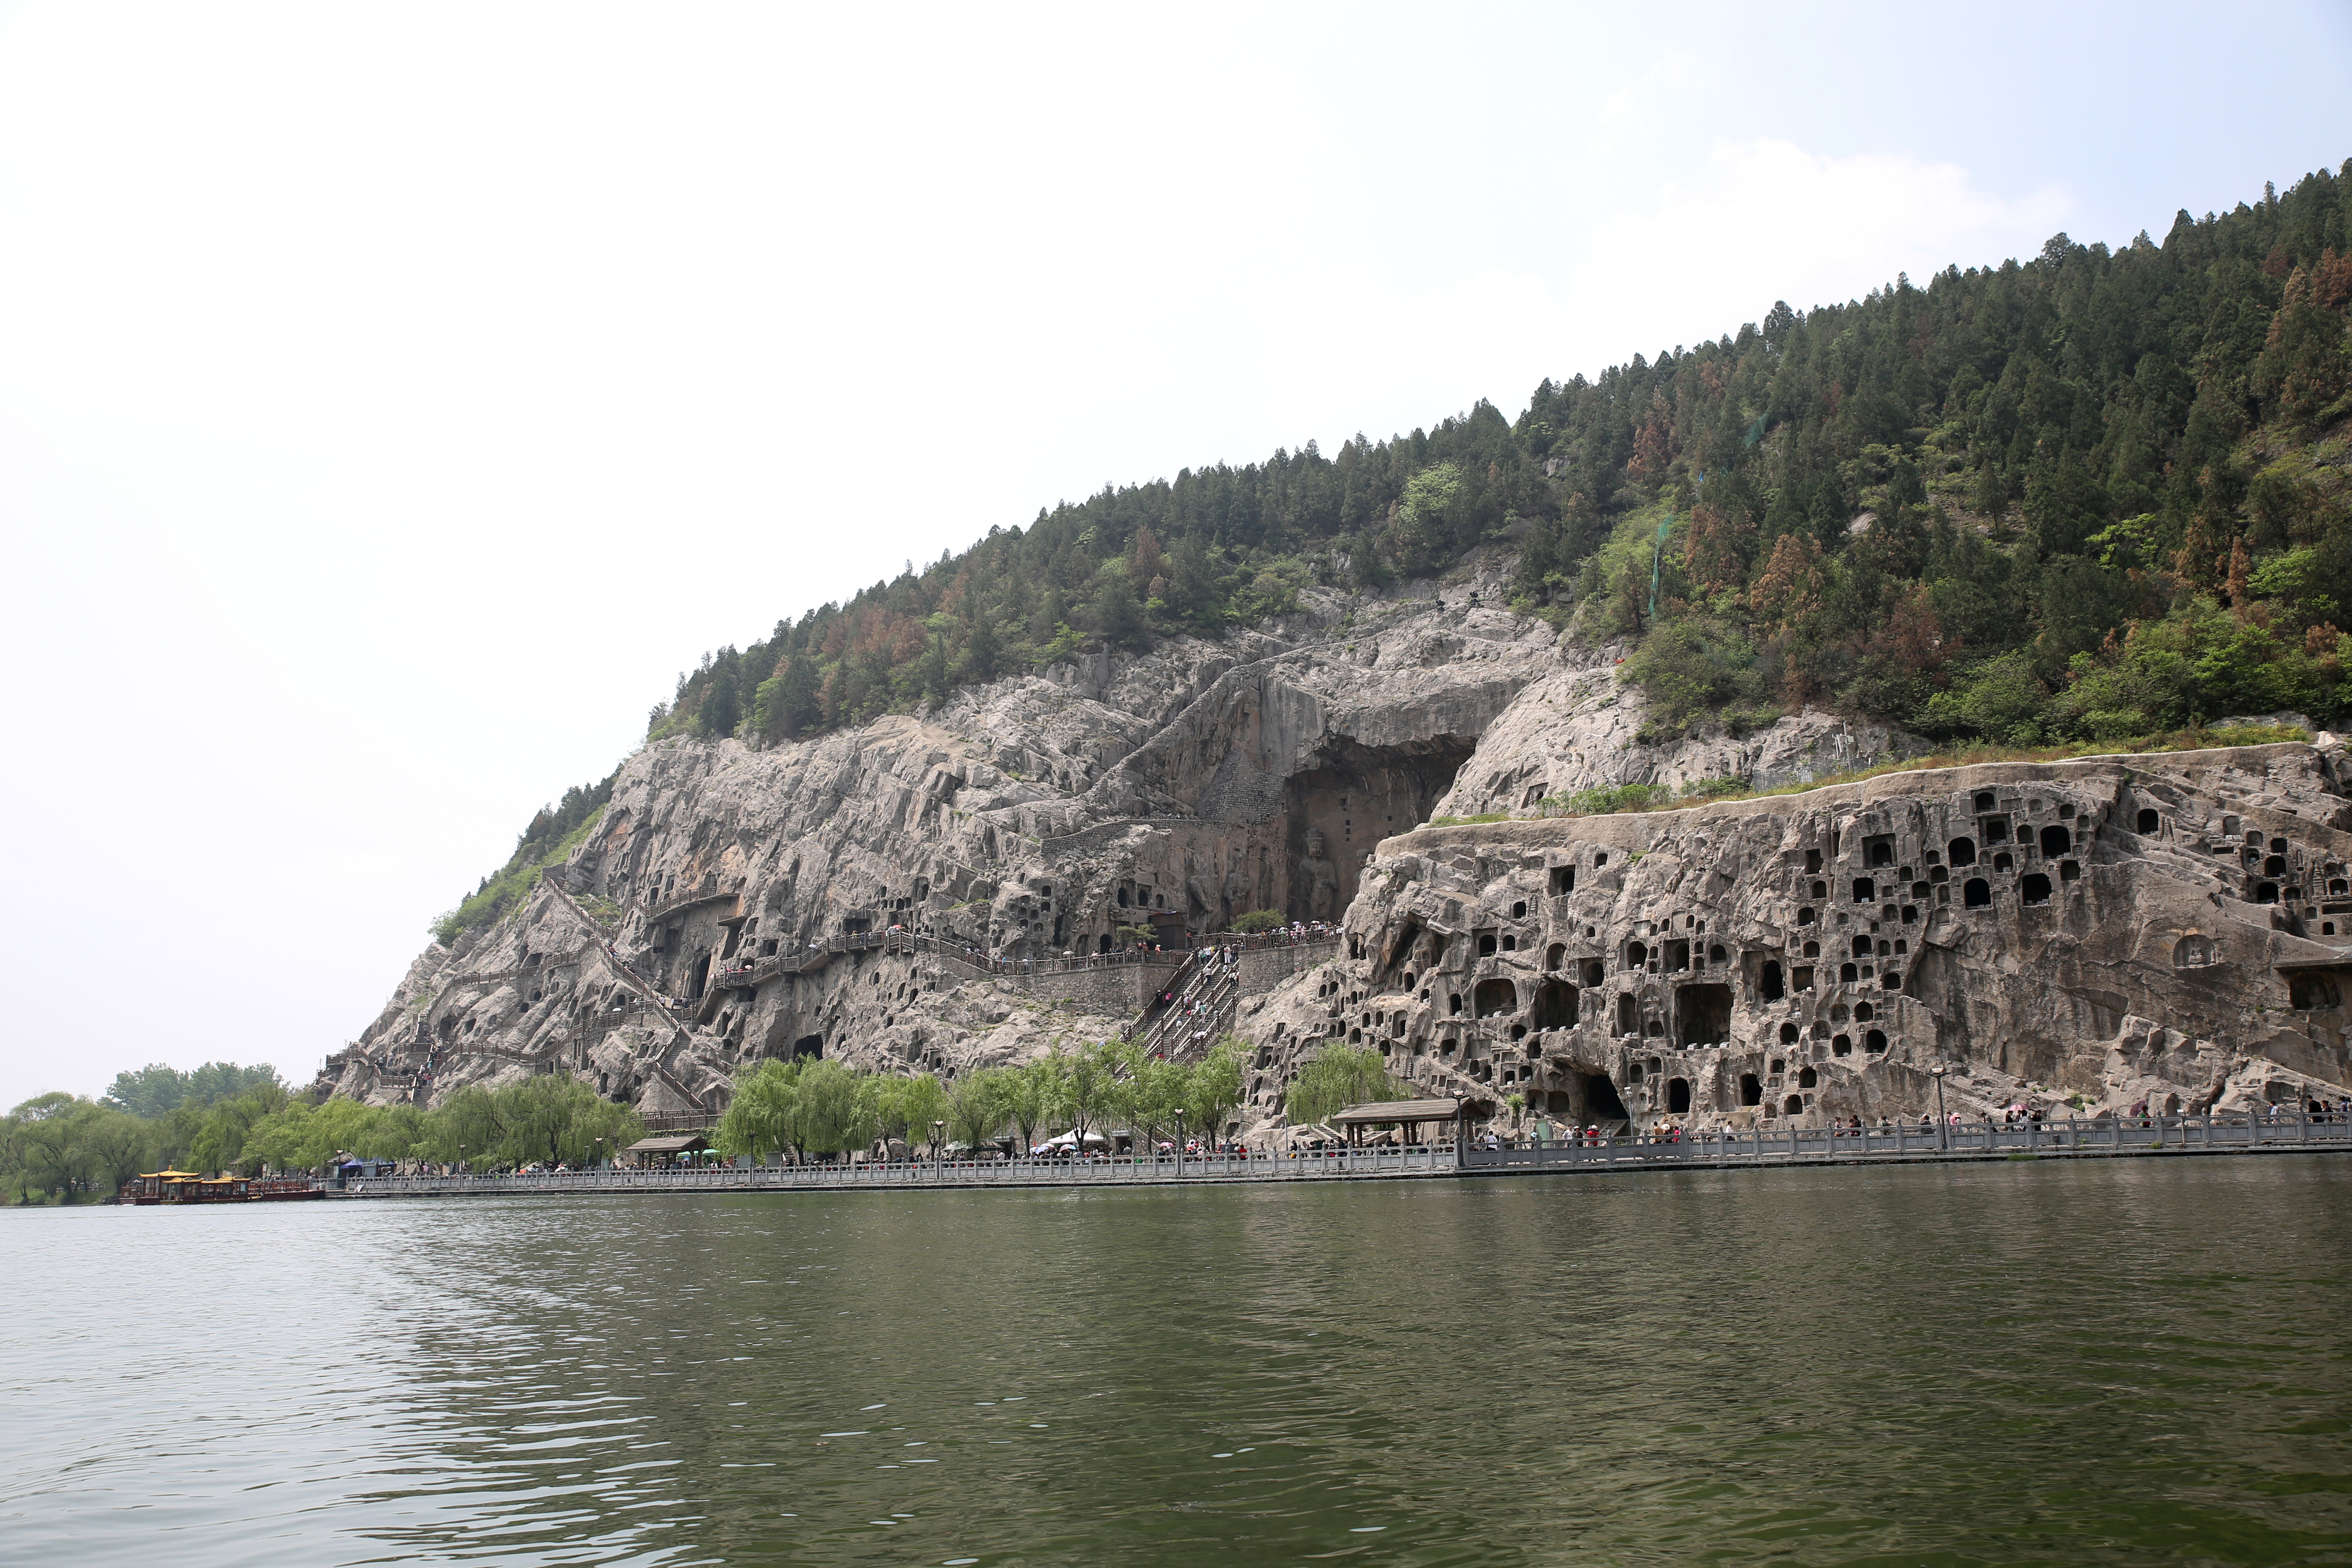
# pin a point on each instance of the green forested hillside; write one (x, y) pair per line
(2085, 492)
(2089, 495)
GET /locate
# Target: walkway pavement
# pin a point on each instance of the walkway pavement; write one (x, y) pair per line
(1967, 1143)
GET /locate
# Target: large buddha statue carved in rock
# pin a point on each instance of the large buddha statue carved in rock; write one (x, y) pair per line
(1201, 891)
(1319, 878)
(1240, 887)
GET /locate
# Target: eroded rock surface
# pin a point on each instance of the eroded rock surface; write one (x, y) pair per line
(2172, 930)
(1038, 816)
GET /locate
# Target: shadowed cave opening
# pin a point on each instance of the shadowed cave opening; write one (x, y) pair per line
(1601, 1102)
(1354, 796)
(1702, 1014)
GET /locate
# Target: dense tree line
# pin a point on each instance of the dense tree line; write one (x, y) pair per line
(61, 1147)
(157, 1089)
(819, 1108)
(2092, 496)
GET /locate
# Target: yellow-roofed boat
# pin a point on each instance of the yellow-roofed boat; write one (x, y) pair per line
(188, 1187)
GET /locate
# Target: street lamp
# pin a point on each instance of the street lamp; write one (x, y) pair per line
(1179, 1143)
(1943, 1128)
(599, 1152)
(937, 1129)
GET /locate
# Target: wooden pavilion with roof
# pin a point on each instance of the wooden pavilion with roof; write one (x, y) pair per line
(660, 1152)
(1409, 1115)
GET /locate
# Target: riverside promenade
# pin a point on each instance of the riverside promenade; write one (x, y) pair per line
(1967, 1141)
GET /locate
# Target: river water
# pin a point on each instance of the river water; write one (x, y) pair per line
(2139, 1361)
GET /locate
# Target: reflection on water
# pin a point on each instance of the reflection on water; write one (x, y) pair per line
(2017, 1364)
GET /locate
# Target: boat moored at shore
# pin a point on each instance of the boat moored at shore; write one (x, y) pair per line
(188, 1187)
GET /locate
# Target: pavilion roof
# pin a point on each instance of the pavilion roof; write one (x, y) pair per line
(1382, 1110)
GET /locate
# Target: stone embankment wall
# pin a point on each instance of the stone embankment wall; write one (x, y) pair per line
(1116, 990)
(1264, 968)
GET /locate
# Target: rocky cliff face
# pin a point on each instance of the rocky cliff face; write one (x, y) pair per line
(2171, 929)
(1036, 818)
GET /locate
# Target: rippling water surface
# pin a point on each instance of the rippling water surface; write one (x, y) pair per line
(2148, 1361)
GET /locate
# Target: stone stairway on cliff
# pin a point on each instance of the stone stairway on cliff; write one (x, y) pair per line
(675, 1016)
(1147, 1021)
(1201, 1011)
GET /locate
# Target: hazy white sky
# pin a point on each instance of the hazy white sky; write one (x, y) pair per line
(393, 399)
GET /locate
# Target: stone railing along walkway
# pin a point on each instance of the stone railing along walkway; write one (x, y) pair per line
(2106, 1137)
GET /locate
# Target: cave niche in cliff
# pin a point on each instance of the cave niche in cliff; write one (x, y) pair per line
(1397, 952)
(1555, 1005)
(1354, 796)
(1602, 1103)
(2316, 990)
(1703, 1014)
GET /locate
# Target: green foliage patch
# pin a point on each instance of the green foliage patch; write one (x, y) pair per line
(820, 1108)
(59, 1147)
(1340, 1077)
(540, 849)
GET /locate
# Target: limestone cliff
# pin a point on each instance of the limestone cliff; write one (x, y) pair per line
(1035, 818)
(2172, 929)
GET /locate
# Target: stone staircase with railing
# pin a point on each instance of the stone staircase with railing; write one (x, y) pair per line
(599, 946)
(676, 1087)
(1201, 1011)
(1178, 982)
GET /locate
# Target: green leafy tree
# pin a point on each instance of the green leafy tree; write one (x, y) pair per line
(1150, 1092)
(1340, 1077)
(2002, 700)
(882, 1104)
(45, 1151)
(1422, 531)
(302, 1137)
(1030, 1093)
(976, 1105)
(763, 1113)
(1690, 669)
(172, 1138)
(1084, 1079)
(1120, 612)
(834, 1118)
(466, 1129)
(924, 1104)
(116, 1146)
(284, 1140)
(220, 1141)
(939, 674)
(983, 655)
(155, 1089)
(1215, 1086)
(1193, 591)
(555, 1118)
